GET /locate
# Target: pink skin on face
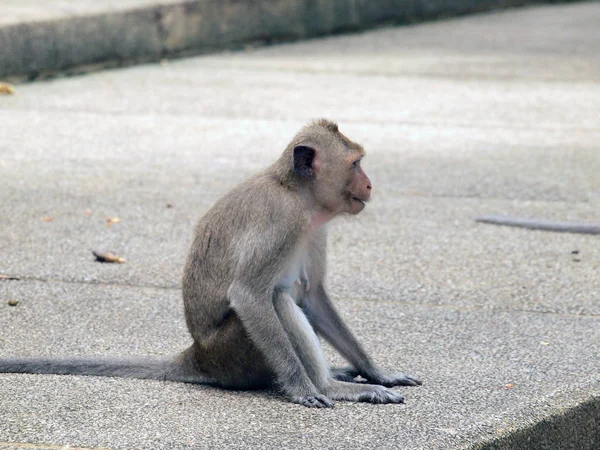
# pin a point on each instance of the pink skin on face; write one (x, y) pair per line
(360, 192)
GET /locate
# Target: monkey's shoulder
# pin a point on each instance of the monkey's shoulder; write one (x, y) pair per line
(256, 218)
(260, 202)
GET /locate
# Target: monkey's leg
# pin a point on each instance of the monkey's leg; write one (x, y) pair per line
(307, 346)
(330, 325)
(229, 359)
(266, 330)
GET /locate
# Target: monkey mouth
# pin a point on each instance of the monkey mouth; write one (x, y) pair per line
(356, 199)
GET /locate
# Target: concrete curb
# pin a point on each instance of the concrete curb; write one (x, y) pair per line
(575, 428)
(72, 44)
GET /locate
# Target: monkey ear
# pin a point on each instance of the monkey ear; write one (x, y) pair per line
(304, 160)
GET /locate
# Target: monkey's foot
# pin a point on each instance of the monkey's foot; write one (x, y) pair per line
(398, 379)
(380, 395)
(360, 392)
(313, 401)
(347, 374)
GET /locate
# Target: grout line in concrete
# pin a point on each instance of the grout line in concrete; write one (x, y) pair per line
(474, 308)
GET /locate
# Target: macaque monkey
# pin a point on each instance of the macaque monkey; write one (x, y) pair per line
(253, 287)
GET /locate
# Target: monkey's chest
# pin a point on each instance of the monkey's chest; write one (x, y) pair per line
(289, 278)
(294, 273)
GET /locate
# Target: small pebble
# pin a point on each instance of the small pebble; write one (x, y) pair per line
(13, 302)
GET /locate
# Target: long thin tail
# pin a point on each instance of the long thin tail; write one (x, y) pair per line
(535, 224)
(180, 368)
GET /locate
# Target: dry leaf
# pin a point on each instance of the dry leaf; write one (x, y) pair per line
(509, 385)
(108, 257)
(48, 219)
(112, 220)
(6, 88)
(7, 277)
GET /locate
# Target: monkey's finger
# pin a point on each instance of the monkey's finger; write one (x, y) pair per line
(395, 398)
(314, 401)
(405, 380)
(325, 402)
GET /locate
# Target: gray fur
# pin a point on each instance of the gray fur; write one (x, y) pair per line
(253, 287)
(181, 368)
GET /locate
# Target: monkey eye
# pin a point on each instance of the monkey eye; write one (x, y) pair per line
(356, 164)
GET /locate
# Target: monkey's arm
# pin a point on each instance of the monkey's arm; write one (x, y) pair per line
(259, 317)
(254, 297)
(328, 323)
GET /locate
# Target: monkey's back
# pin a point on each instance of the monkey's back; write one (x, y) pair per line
(258, 210)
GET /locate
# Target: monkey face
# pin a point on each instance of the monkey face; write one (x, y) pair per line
(359, 187)
(328, 165)
(342, 187)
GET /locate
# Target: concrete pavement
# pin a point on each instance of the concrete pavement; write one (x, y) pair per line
(495, 113)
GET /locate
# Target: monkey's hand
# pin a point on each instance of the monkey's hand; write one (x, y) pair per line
(398, 379)
(313, 401)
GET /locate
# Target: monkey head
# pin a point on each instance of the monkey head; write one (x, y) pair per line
(329, 165)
